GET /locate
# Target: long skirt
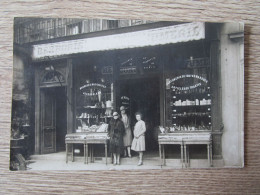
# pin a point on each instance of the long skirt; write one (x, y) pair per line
(128, 137)
(138, 144)
(116, 144)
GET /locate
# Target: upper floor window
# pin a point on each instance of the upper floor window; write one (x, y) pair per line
(112, 24)
(73, 29)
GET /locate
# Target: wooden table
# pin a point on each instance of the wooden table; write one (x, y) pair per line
(96, 138)
(198, 138)
(169, 138)
(184, 139)
(86, 138)
(75, 138)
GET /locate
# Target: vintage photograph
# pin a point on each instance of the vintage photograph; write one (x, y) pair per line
(102, 94)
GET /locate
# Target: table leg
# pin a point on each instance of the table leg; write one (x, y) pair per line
(92, 153)
(182, 156)
(84, 153)
(66, 153)
(188, 155)
(211, 164)
(185, 156)
(87, 152)
(72, 153)
(164, 163)
(106, 152)
(160, 154)
(208, 154)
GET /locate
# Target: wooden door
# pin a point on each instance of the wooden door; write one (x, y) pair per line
(48, 121)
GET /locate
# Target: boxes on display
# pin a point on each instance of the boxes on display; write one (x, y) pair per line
(189, 100)
(94, 114)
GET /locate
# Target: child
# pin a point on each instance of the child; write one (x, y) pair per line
(138, 143)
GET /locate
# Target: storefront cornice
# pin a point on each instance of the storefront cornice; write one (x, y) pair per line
(130, 39)
(105, 32)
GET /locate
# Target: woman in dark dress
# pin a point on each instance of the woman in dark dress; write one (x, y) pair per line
(116, 131)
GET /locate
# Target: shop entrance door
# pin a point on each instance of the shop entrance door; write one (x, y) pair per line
(53, 119)
(144, 95)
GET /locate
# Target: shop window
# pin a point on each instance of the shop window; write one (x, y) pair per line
(112, 24)
(94, 98)
(188, 97)
(73, 29)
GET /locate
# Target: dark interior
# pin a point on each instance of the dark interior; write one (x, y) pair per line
(144, 97)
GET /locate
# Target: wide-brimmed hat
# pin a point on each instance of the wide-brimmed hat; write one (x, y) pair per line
(115, 114)
(122, 108)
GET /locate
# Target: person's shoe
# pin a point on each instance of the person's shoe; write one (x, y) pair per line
(129, 156)
(118, 163)
(114, 163)
(140, 163)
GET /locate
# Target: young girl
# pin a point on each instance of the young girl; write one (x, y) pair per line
(138, 143)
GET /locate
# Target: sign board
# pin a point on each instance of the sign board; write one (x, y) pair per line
(151, 37)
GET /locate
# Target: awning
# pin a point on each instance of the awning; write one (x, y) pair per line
(151, 37)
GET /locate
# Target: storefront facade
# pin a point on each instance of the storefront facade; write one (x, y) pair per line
(169, 73)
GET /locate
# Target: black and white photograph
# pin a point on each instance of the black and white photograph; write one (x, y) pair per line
(103, 94)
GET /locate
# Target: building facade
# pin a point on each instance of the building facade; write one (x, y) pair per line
(183, 77)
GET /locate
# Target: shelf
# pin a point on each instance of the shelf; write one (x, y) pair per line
(191, 105)
(191, 114)
(90, 108)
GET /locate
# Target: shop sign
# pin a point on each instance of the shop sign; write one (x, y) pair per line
(197, 63)
(93, 85)
(125, 101)
(107, 70)
(128, 70)
(149, 64)
(184, 88)
(151, 37)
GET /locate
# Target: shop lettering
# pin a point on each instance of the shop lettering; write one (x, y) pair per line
(128, 70)
(92, 85)
(184, 88)
(125, 98)
(186, 76)
(151, 37)
(107, 70)
(197, 63)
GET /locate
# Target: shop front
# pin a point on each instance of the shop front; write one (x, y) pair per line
(165, 73)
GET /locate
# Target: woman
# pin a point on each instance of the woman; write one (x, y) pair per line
(116, 131)
(128, 133)
(138, 143)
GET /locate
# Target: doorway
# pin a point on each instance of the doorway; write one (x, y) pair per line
(144, 95)
(53, 119)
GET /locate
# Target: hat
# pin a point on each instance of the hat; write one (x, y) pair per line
(115, 114)
(122, 108)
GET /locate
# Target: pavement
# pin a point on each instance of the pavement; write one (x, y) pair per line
(57, 161)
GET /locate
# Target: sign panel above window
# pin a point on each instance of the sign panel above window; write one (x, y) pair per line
(151, 37)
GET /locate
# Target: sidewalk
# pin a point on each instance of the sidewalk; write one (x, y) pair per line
(57, 161)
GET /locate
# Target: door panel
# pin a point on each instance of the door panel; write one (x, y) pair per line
(48, 121)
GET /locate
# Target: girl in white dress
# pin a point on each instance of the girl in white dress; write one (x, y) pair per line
(138, 143)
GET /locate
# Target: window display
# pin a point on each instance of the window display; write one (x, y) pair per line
(188, 100)
(94, 101)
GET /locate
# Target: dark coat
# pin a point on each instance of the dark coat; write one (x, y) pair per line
(116, 131)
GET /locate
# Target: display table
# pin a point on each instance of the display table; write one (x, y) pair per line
(96, 138)
(169, 138)
(184, 139)
(85, 138)
(75, 138)
(198, 138)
